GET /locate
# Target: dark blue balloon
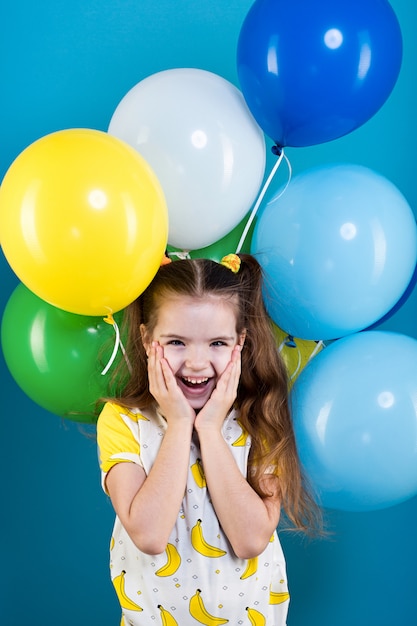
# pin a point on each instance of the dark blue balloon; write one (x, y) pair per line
(314, 71)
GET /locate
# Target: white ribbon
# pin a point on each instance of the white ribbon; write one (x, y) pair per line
(117, 344)
(262, 194)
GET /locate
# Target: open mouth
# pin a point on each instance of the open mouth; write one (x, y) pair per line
(197, 389)
(194, 383)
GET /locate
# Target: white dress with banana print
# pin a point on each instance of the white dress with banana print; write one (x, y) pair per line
(197, 579)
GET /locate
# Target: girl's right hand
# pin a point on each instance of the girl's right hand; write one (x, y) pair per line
(164, 388)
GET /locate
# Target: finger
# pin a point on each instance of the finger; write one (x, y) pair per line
(236, 354)
(173, 402)
(231, 375)
(168, 375)
(157, 384)
(237, 360)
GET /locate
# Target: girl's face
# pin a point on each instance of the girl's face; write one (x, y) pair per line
(197, 336)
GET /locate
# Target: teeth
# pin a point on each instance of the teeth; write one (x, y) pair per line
(195, 381)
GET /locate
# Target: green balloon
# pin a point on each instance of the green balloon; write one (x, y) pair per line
(226, 245)
(57, 357)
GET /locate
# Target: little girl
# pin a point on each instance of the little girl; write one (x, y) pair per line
(198, 454)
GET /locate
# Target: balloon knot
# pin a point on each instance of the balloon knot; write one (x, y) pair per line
(289, 341)
(276, 150)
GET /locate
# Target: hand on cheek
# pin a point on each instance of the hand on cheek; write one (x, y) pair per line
(164, 388)
(229, 380)
(224, 395)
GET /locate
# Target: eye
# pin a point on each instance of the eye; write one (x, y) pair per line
(218, 343)
(175, 342)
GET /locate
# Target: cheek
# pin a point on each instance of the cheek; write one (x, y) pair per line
(173, 357)
(222, 360)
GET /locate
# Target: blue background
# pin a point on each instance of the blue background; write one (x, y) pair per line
(68, 64)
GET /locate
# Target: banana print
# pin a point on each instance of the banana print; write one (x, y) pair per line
(251, 568)
(197, 579)
(167, 618)
(173, 562)
(200, 613)
(256, 618)
(125, 602)
(198, 474)
(278, 597)
(201, 545)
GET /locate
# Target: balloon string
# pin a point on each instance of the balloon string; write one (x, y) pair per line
(319, 344)
(117, 343)
(281, 347)
(262, 194)
(180, 254)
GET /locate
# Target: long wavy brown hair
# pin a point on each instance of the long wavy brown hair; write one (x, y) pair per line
(262, 397)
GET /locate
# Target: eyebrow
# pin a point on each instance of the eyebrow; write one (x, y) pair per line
(182, 338)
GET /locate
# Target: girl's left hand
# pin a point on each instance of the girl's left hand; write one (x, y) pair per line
(214, 412)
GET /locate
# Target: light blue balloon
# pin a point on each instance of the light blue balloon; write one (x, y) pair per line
(338, 249)
(355, 420)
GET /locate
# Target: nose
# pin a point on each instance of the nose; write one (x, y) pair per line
(197, 358)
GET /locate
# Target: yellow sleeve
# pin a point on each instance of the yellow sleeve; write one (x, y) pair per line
(117, 438)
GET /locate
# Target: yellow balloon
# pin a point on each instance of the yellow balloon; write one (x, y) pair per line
(295, 352)
(83, 221)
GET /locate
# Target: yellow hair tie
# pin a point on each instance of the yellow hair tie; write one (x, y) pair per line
(232, 262)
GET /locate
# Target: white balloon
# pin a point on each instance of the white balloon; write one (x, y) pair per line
(195, 130)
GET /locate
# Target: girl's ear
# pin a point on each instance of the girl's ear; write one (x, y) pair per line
(145, 338)
(242, 337)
